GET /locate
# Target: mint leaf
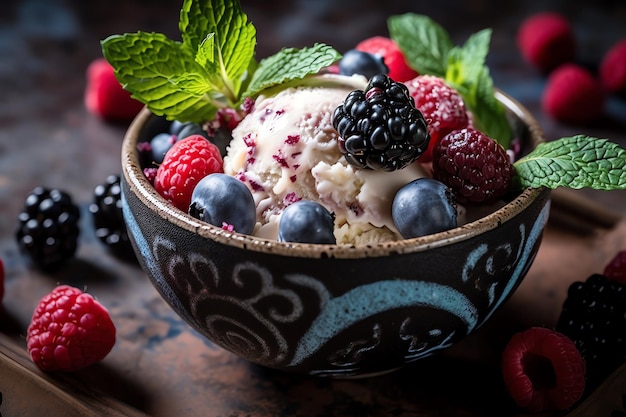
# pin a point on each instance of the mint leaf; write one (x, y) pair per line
(234, 38)
(428, 48)
(469, 75)
(163, 74)
(574, 162)
(290, 64)
(209, 69)
(424, 43)
(206, 54)
(487, 112)
(465, 64)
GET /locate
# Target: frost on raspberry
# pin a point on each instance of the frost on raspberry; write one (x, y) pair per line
(69, 330)
(442, 107)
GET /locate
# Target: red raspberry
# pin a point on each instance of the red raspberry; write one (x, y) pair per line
(612, 71)
(543, 370)
(69, 331)
(399, 69)
(573, 95)
(184, 165)
(616, 269)
(104, 95)
(442, 107)
(546, 40)
(474, 166)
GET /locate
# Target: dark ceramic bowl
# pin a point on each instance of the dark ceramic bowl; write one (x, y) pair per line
(332, 310)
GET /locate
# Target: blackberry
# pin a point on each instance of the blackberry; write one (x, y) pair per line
(380, 128)
(48, 227)
(106, 213)
(594, 317)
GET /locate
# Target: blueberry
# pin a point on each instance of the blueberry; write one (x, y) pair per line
(175, 127)
(422, 207)
(190, 128)
(224, 201)
(221, 138)
(306, 221)
(364, 63)
(160, 144)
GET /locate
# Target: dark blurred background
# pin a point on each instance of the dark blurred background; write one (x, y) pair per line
(47, 137)
(45, 45)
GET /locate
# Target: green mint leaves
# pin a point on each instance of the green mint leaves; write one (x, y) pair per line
(429, 50)
(213, 67)
(291, 64)
(574, 162)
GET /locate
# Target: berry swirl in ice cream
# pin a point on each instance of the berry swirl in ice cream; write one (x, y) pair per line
(286, 150)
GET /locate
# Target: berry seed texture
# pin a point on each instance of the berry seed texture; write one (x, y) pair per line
(69, 330)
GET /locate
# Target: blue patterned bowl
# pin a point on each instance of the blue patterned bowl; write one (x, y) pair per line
(332, 310)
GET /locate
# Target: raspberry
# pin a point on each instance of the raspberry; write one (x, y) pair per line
(543, 370)
(48, 227)
(594, 317)
(69, 331)
(616, 269)
(399, 69)
(106, 213)
(573, 95)
(474, 166)
(380, 128)
(546, 40)
(185, 164)
(442, 107)
(612, 70)
(104, 95)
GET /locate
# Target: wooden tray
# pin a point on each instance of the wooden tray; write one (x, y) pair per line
(26, 391)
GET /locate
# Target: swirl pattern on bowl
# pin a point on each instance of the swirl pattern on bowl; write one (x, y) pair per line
(323, 309)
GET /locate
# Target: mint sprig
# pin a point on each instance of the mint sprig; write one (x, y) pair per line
(291, 64)
(429, 50)
(424, 43)
(213, 67)
(573, 162)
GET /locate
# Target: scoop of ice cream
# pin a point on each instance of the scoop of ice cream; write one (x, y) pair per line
(286, 150)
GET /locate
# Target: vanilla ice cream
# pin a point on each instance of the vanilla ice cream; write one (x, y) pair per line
(286, 150)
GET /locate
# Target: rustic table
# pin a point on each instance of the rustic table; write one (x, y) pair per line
(159, 365)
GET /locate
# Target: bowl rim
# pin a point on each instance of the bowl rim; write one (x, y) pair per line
(145, 192)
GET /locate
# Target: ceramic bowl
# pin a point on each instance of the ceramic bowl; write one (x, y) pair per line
(332, 310)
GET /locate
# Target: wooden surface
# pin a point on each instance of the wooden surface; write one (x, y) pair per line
(159, 366)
